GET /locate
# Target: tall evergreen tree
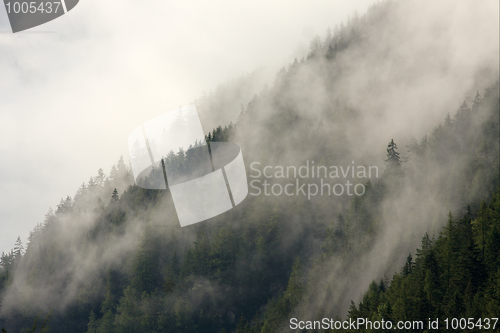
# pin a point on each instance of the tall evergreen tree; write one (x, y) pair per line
(393, 160)
(114, 196)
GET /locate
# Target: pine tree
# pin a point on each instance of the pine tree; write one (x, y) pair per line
(448, 123)
(146, 263)
(18, 248)
(413, 147)
(408, 267)
(243, 326)
(100, 177)
(393, 160)
(295, 288)
(476, 102)
(172, 274)
(129, 312)
(106, 323)
(114, 196)
(92, 324)
(423, 145)
(462, 118)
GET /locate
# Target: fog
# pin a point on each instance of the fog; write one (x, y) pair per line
(73, 89)
(71, 107)
(414, 69)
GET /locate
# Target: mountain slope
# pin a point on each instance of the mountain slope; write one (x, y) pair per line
(105, 263)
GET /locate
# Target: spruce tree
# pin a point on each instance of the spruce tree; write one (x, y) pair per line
(393, 159)
(114, 196)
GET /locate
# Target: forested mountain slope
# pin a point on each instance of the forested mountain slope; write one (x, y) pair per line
(453, 276)
(114, 259)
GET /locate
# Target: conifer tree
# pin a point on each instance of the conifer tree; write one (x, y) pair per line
(393, 159)
(114, 196)
(18, 248)
(92, 324)
(477, 101)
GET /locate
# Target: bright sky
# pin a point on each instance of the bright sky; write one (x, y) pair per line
(72, 90)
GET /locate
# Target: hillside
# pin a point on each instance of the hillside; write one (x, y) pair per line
(113, 257)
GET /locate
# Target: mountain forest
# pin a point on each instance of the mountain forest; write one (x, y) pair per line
(423, 241)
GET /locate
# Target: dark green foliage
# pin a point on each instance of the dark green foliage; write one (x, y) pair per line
(279, 309)
(265, 259)
(241, 267)
(247, 264)
(146, 264)
(450, 277)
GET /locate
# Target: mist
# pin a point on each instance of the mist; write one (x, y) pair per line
(411, 69)
(402, 68)
(73, 89)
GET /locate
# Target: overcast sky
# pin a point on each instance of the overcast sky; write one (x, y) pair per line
(73, 89)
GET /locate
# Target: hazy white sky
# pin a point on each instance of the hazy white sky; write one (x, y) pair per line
(73, 89)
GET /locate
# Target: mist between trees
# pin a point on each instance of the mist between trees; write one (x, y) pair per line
(117, 261)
